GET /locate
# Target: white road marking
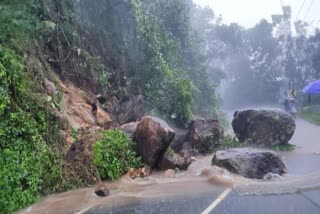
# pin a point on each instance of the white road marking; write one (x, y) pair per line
(217, 201)
(83, 211)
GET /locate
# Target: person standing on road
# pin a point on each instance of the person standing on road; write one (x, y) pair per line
(292, 107)
(286, 104)
(290, 103)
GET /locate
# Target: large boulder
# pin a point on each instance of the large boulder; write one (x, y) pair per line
(182, 136)
(153, 137)
(250, 163)
(263, 127)
(205, 135)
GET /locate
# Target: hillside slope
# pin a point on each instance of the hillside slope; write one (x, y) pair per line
(69, 68)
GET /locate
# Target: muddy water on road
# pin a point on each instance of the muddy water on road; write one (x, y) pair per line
(303, 165)
(123, 193)
(303, 174)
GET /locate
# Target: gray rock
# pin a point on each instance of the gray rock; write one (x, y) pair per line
(205, 135)
(180, 138)
(153, 137)
(271, 176)
(263, 127)
(50, 87)
(250, 163)
(129, 129)
(130, 109)
(102, 190)
(171, 160)
(168, 161)
(184, 157)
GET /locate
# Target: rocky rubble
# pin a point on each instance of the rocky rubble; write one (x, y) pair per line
(153, 137)
(139, 173)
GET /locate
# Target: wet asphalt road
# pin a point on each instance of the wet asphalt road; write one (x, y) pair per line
(300, 203)
(304, 160)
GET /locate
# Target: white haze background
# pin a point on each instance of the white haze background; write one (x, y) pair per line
(249, 12)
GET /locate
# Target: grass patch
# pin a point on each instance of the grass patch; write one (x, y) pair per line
(312, 117)
(283, 148)
(230, 142)
(170, 151)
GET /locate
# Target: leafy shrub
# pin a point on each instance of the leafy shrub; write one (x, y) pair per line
(113, 155)
(26, 165)
(163, 81)
(96, 69)
(229, 142)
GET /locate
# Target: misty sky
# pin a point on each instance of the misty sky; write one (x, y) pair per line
(249, 12)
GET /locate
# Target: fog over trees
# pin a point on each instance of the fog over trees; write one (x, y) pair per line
(256, 66)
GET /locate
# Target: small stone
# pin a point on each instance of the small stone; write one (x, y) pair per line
(51, 88)
(135, 173)
(102, 190)
(146, 170)
(272, 177)
(139, 173)
(130, 172)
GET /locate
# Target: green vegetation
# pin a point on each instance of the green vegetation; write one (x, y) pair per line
(113, 155)
(309, 115)
(30, 146)
(168, 88)
(171, 151)
(284, 148)
(172, 52)
(96, 69)
(229, 142)
(119, 48)
(156, 52)
(27, 165)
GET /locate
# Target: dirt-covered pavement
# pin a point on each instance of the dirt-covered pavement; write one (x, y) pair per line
(298, 192)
